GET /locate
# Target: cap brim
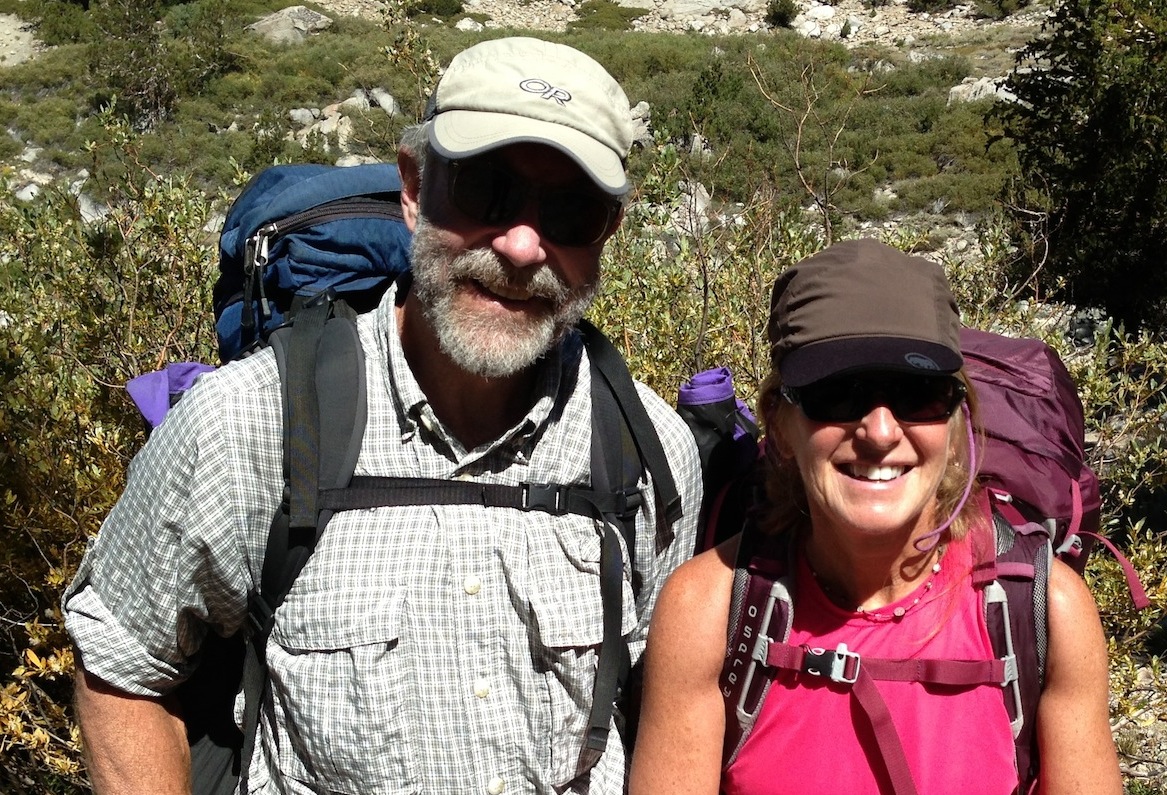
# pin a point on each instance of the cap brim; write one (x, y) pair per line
(821, 360)
(465, 133)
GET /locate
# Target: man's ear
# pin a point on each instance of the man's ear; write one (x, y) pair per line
(410, 188)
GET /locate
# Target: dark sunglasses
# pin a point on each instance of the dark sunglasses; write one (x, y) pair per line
(848, 398)
(489, 193)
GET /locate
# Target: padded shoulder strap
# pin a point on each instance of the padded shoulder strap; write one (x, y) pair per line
(323, 429)
(1016, 612)
(761, 610)
(610, 365)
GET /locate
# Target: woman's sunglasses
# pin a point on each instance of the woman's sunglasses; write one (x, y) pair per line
(489, 193)
(848, 398)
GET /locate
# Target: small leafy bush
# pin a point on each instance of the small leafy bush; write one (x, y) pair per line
(436, 8)
(999, 9)
(781, 13)
(57, 22)
(604, 15)
(931, 6)
(83, 308)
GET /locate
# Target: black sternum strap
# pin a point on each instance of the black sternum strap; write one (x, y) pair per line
(551, 498)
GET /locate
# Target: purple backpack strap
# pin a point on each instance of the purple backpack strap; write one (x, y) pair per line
(761, 609)
(1016, 612)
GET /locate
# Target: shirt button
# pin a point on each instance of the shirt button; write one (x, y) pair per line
(472, 585)
(482, 689)
(496, 786)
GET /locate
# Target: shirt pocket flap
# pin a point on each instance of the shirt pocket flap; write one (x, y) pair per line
(569, 611)
(330, 618)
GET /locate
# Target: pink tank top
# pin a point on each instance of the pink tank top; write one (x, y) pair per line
(812, 737)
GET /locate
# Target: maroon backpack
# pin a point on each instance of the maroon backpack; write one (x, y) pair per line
(1045, 504)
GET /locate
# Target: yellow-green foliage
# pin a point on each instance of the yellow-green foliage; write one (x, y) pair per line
(83, 308)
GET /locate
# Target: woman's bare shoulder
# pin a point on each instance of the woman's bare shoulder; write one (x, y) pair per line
(695, 600)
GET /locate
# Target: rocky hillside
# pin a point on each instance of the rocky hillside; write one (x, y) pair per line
(887, 24)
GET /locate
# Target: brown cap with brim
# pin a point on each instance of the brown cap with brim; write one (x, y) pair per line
(862, 305)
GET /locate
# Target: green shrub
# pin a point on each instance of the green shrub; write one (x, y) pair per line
(83, 307)
(435, 8)
(130, 55)
(57, 22)
(999, 9)
(1091, 136)
(931, 6)
(781, 13)
(604, 15)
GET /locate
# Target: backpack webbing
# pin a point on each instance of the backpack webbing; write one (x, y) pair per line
(762, 614)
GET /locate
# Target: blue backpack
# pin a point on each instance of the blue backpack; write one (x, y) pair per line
(297, 232)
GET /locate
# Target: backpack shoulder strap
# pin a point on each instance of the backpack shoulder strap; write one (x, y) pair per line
(323, 430)
(761, 610)
(611, 367)
(624, 444)
(1015, 587)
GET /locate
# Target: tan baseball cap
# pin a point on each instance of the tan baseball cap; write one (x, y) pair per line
(862, 305)
(519, 89)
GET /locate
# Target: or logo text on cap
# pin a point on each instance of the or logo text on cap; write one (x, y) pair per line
(920, 361)
(545, 90)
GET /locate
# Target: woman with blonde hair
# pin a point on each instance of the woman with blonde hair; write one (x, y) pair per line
(877, 526)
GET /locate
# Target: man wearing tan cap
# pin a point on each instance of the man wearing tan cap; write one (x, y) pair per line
(433, 648)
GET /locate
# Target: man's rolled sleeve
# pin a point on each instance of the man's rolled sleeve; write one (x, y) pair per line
(171, 560)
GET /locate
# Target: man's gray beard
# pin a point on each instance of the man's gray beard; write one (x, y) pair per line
(485, 345)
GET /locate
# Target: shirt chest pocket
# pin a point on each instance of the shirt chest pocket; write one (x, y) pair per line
(339, 681)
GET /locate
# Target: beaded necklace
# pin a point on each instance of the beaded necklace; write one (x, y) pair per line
(836, 596)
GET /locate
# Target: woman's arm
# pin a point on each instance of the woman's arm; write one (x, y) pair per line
(1073, 722)
(682, 723)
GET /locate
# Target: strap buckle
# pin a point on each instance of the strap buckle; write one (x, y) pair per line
(628, 504)
(547, 497)
(838, 664)
(260, 615)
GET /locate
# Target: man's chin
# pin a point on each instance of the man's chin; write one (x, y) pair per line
(490, 348)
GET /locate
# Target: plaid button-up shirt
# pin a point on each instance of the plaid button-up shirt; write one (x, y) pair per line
(439, 649)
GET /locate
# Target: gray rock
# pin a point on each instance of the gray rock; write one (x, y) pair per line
(291, 25)
(385, 101)
(303, 116)
(358, 102)
(642, 125)
(27, 193)
(692, 216)
(687, 8)
(973, 89)
(355, 160)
